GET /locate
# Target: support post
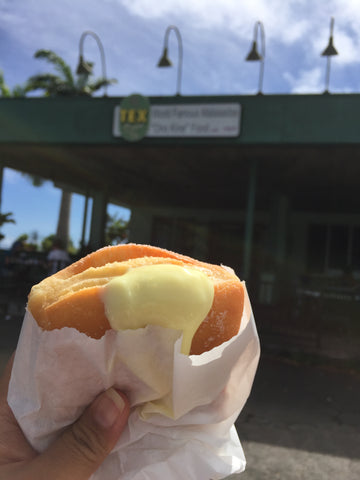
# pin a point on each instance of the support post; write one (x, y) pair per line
(83, 232)
(98, 220)
(1, 184)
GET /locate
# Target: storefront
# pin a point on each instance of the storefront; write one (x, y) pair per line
(266, 184)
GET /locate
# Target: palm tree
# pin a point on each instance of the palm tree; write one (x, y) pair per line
(63, 83)
(5, 218)
(63, 225)
(115, 230)
(6, 92)
(4, 89)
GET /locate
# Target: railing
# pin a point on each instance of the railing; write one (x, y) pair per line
(321, 316)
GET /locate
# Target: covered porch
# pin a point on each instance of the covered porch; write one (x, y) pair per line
(279, 202)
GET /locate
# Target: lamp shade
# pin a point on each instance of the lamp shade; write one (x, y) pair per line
(330, 50)
(84, 67)
(164, 60)
(253, 55)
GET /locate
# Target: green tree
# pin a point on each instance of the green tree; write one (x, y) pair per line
(4, 89)
(6, 92)
(5, 218)
(47, 243)
(63, 82)
(116, 229)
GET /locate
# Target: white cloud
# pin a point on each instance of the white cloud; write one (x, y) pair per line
(285, 21)
(309, 81)
(347, 46)
(296, 31)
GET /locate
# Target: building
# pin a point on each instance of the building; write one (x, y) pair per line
(267, 184)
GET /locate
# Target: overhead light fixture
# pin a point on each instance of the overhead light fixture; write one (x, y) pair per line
(255, 56)
(86, 68)
(164, 59)
(329, 52)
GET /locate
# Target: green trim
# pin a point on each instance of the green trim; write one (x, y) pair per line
(265, 120)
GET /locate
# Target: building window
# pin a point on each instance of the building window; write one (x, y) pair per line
(355, 261)
(162, 232)
(316, 248)
(176, 234)
(331, 248)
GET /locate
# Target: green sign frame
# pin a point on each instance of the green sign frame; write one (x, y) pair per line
(134, 117)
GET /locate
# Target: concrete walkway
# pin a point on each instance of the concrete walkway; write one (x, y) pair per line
(301, 422)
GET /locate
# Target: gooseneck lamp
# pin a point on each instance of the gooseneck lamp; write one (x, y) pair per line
(254, 55)
(85, 67)
(164, 59)
(329, 52)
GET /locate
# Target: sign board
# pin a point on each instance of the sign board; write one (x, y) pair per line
(211, 120)
(133, 117)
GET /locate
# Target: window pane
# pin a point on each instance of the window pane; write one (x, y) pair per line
(184, 238)
(316, 248)
(339, 240)
(356, 249)
(162, 232)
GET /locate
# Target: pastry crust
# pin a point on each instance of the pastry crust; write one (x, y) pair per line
(73, 296)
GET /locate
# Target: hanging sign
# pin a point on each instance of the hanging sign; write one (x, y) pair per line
(131, 119)
(208, 120)
(195, 120)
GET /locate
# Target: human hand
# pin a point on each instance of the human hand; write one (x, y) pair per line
(76, 454)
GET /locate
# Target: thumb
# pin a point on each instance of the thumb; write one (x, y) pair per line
(82, 448)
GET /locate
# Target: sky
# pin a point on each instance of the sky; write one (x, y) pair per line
(216, 36)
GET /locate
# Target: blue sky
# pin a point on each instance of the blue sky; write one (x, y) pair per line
(216, 37)
(35, 209)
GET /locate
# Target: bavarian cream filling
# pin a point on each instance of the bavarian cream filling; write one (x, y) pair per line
(167, 295)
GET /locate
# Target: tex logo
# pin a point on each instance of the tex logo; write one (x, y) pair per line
(134, 115)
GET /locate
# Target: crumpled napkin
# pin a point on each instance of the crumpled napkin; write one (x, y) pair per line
(183, 407)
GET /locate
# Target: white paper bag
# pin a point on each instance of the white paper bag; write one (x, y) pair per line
(181, 424)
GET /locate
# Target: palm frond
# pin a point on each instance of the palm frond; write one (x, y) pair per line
(19, 91)
(60, 65)
(6, 218)
(4, 89)
(100, 83)
(63, 84)
(51, 84)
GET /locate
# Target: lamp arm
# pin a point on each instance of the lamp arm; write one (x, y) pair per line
(180, 52)
(331, 26)
(328, 60)
(259, 26)
(101, 49)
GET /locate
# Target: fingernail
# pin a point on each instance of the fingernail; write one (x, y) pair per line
(108, 407)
